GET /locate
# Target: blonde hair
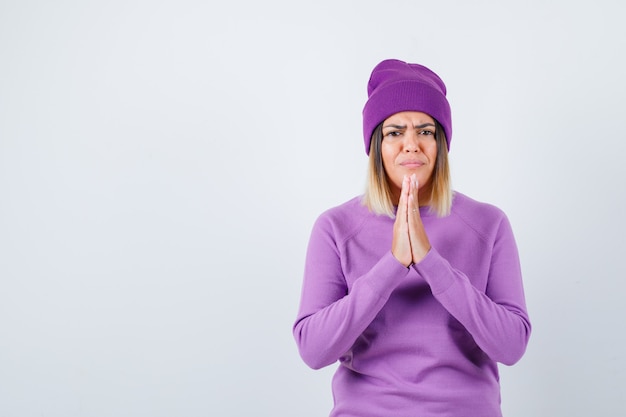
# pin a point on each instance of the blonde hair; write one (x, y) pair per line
(378, 197)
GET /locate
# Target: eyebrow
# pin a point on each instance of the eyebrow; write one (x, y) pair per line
(404, 126)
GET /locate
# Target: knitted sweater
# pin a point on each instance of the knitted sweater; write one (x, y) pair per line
(418, 341)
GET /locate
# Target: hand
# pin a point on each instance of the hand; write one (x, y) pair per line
(410, 243)
(420, 245)
(401, 244)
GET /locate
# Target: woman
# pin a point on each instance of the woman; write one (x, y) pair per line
(416, 290)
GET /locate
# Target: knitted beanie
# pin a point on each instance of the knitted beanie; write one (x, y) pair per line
(397, 86)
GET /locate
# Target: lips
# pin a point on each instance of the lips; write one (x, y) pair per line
(412, 163)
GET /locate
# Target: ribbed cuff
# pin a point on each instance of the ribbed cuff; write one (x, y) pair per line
(386, 275)
(436, 271)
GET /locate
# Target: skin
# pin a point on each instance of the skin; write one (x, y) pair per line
(410, 243)
(409, 152)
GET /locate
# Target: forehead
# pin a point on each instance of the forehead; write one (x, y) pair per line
(409, 118)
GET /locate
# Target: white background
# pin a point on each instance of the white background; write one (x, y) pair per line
(162, 163)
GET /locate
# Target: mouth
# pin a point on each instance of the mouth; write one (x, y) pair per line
(412, 164)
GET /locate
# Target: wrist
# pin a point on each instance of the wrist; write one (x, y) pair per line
(421, 254)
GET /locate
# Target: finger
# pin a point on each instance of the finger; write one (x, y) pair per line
(406, 185)
(401, 247)
(404, 199)
(415, 189)
(418, 238)
(413, 203)
(413, 208)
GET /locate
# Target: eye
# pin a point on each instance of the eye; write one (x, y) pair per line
(393, 134)
(427, 132)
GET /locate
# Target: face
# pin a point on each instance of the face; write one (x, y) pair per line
(409, 147)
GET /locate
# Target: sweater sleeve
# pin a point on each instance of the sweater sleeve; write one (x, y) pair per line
(331, 318)
(496, 319)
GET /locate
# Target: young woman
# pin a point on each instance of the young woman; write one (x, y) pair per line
(415, 289)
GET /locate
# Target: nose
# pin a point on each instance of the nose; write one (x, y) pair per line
(411, 142)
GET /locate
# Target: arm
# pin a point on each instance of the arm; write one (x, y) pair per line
(496, 319)
(330, 319)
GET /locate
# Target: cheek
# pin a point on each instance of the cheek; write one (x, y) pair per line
(386, 164)
(433, 149)
(394, 177)
(388, 155)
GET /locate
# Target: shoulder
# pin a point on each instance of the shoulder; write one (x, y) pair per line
(483, 217)
(464, 205)
(345, 219)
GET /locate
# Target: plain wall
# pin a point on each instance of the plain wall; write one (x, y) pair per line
(162, 163)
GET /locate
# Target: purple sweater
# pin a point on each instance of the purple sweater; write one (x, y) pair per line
(418, 341)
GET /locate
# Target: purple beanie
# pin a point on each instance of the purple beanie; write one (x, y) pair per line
(397, 86)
